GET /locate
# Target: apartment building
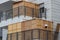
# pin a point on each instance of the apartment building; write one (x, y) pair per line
(47, 10)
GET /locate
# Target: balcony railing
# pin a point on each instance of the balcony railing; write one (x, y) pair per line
(35, 34)
(22, 10)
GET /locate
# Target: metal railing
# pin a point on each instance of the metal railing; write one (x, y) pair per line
(35, 34)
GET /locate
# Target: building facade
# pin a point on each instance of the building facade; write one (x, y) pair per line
(49, 11)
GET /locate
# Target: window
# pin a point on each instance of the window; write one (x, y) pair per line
(42, 13)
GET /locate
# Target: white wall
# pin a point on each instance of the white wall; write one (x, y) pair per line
(55, 6)
(56, 10)
(4, 34)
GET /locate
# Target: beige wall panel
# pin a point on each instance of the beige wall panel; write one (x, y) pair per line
(35, 34)
(15, 5)
(28, 35)
(18, 27)
(51, 35)
(14, 28)
(36, 12)
(14, 36)
(26, 25)
(21, 10)
(15, 12)
(21, 4)
(23, 26)
(19, 36)
(29, 5)
(10, 27)
(32, 24)
(50, 24)
(28, 11)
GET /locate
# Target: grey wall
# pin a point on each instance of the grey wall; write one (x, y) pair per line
(6, 5)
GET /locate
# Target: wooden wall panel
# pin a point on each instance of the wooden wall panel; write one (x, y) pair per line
(28, 11)
(28, 35)
(19, 36)
(18, 27)
(10, 28)
(31, 24)
(14, 28)
(36, 12)
(14, 36)
(9, 37)
(50, 24)
(58, 28)
(23, 27)
(21, 10)
(15, 12)
(35, 34)
(50, 35)
(29, 6)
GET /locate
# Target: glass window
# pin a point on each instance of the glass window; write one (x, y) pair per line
(42, 13)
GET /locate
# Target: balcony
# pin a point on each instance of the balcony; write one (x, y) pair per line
(21, 11)
(20, 14)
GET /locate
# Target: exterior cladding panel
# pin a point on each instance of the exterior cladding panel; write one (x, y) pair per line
(55, 6)
(56, 10)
